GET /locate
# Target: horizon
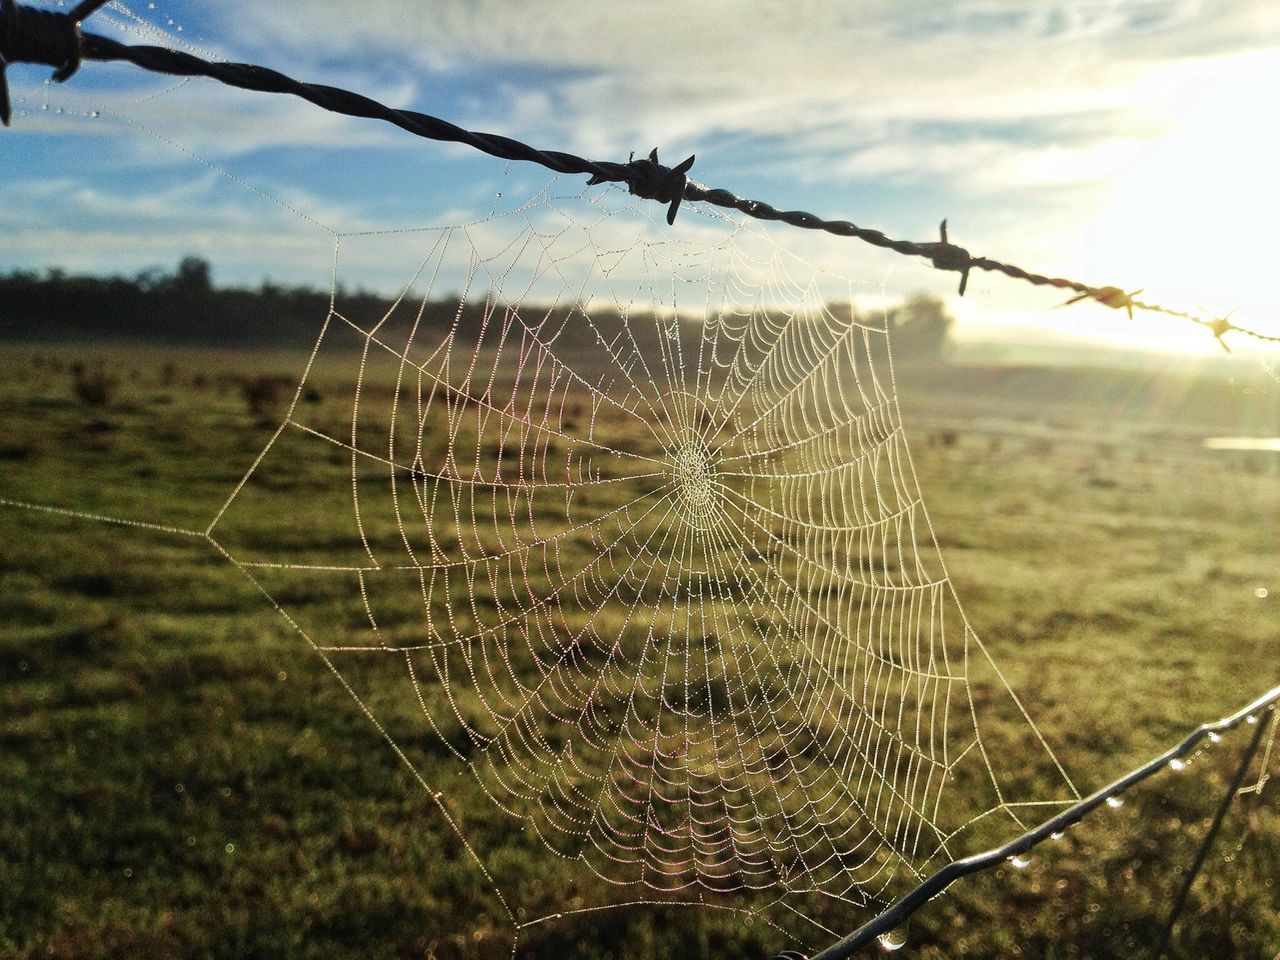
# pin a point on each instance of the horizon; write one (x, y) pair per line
(1006, 340)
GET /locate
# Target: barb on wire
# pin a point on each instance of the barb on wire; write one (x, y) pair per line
(1220, 326)
(898, 912)
(947, 256)
(653, 181)
(1112, 297)
(55, 39)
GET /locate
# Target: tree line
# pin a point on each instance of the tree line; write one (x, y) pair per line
(185, 308)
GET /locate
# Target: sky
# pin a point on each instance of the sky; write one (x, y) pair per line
(1117, 141)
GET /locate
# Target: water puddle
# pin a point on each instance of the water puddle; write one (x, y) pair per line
(1243, 443)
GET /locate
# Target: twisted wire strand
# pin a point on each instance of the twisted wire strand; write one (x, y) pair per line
(50, 37)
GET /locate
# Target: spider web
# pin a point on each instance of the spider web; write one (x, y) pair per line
(634, 559)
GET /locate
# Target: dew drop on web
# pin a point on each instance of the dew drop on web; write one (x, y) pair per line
(892, 941)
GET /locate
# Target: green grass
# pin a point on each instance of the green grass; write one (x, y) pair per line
(184, 776)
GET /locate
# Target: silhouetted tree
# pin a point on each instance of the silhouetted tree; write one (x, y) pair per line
(193, 277)
(919, 328)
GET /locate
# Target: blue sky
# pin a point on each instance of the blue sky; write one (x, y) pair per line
(1118, 140)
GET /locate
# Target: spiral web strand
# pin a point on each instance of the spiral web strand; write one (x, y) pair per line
(635, 536)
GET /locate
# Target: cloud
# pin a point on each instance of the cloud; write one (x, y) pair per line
(1020, 105)
(204, 118)
(669, 71)
(81, 226)
(796, 82)
(1010, 116)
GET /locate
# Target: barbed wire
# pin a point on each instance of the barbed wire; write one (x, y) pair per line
(55, 39)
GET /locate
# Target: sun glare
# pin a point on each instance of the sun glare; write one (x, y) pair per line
(1196, 215)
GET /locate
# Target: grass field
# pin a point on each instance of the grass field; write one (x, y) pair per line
(184, 776)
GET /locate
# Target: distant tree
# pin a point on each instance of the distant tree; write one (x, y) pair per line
(919, 328)
(152, 278)
(193, 277)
